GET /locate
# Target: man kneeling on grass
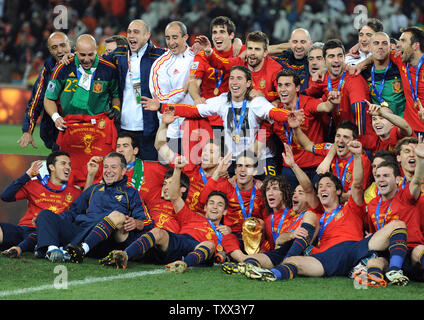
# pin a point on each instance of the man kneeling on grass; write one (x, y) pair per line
(197, 240)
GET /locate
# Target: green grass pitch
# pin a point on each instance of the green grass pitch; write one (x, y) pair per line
(28, 278)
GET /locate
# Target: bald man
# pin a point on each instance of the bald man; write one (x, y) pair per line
(133, 64)
(58, 45)
(294, 54)
(87, 90)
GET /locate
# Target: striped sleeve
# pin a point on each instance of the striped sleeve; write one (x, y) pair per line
(35, 105)
(157, 87)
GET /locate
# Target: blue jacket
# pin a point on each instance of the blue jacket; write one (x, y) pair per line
(120, 58)
(48, 131)
(99, 200)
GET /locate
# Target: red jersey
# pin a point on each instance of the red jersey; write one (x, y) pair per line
(197, 184)
(234, 217)
(40, 198)
(161, 211)
(264, 80)
(200, 229)
(373, 143)
(291, 221)
(347, 225)
(401, 207)
(312, 126)
(87, 136)
(411, 111)
(343, 173)
(354, 91)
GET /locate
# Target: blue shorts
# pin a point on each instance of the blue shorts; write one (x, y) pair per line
(341, 258)
(179, 246)
(13, 234)
(277, 255)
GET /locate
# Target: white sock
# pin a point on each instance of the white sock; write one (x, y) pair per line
(85, 247)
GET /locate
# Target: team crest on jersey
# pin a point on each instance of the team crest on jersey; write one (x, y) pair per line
(338, 215)
(118, 197)
(98, 87)
(68, 197)
(262, 84)
(397, 86)
(102, 124)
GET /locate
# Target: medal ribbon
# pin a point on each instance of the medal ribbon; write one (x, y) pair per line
(290, 136)
(218, 81)
(45, 183)
(203, 175)
(414, 92)
(280, 224)
(241, 119)
(297, 219)
(330, 86)
(329, 219)
(345, 169)
(380, 88)
(219, 234)
(251, 203)
(377, 213)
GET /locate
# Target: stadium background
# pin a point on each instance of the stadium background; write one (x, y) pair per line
(26, 24)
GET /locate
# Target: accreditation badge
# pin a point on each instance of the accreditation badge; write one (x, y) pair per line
(137, 89)
(85, 81)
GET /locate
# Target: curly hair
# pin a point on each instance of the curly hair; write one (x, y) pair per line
(285, 188)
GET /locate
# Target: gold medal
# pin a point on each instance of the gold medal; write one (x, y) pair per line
(216, 91)
(236, 138)
(416, 104)
(219, 248)
(384, 104)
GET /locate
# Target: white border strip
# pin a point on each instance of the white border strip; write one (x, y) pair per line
(87, 280)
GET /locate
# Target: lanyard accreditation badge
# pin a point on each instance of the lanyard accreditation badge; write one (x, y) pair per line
(379, 91)
(136, 82)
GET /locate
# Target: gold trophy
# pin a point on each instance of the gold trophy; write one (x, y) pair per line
(252, 235)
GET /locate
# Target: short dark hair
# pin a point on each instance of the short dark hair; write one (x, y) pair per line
(117, 155)
(289, 73)
(132, 136)
(333, 178)
(285, 188)
(258, 36)
(417, 36)
(223, 21)
(374, 24)
(120, 40)
(350, 126)
(51, 158)
(218, 193)
(332, 44)
(385, 154)
(393, 165)
(184, 181)
(406, 140)
(248, 154)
